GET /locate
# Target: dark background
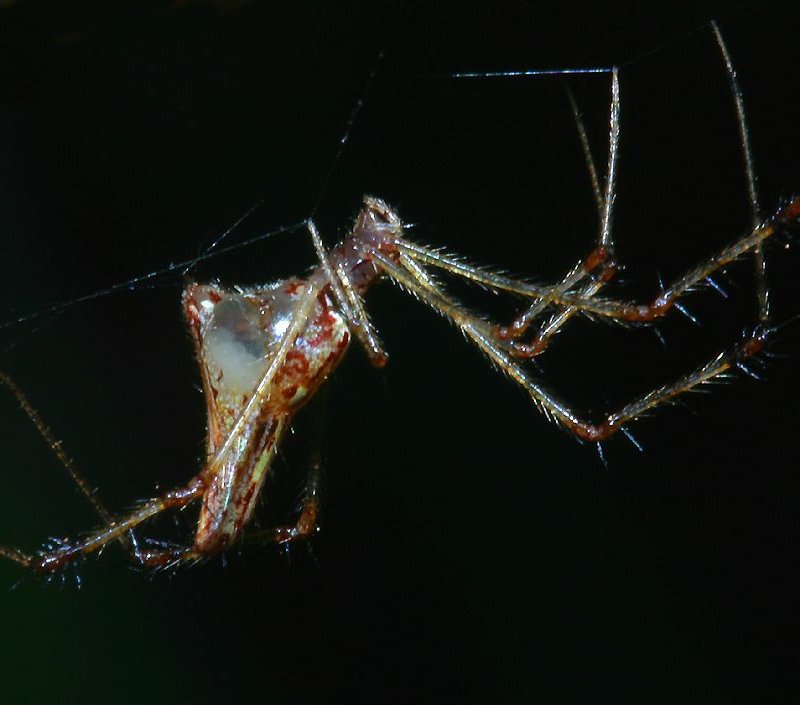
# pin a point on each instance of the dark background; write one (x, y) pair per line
(470, 552)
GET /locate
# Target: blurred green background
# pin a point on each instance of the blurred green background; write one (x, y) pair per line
(470, 552)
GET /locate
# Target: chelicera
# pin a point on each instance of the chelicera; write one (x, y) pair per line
(264, 351)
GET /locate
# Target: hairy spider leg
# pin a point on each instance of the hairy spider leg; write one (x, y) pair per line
(598, 258)
(411, 276)
(480, 331)
(57, 447)
(128, 540)
(307, 523)
(600, 264)
(48, 561)
(623, 311)
(759, 258)
(349, 301)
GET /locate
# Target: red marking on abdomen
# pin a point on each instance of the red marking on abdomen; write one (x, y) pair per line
(296, 362)
(326, 322)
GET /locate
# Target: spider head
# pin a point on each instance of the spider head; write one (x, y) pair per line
(377, 229)
(377, 226)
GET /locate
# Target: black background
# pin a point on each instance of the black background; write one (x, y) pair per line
(470, 552)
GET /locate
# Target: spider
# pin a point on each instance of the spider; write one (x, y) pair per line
(264, 352)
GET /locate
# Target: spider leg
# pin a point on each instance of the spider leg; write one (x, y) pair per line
(128, 541)
(167, 557)
(605, 204)
(349, 301)
(52, 560)
(307, 524)
(584, 300)
(624, 311)
(600, 263)
(759, 260)
(597, 192)
(14, 554)
(56, 447)
(413, 278)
